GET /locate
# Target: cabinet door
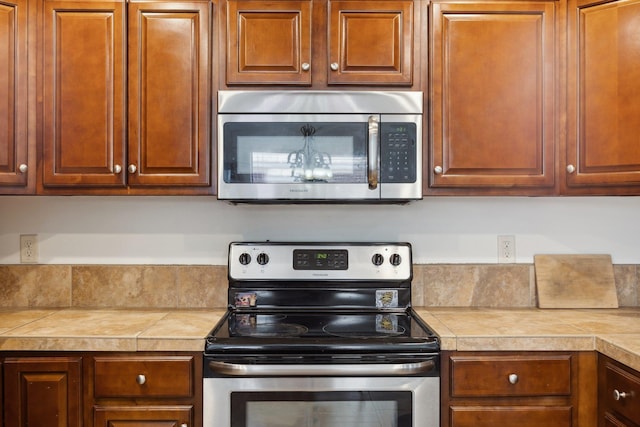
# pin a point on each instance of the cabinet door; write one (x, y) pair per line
(14, 161)
(370, 42)
(603, 147)
(42, 391)
(169, 93)
(268, 42)
(493, 95)
(147, 416)
(83, 93)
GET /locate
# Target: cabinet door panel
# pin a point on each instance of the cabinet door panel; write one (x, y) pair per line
(268, 43)
(370, 42)
(530, 416)
(493, 68)
(13, 94)
(169, 93)
(84, 122)
(603, 148)
(43, 391)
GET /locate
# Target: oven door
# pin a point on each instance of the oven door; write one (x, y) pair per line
(331, 401)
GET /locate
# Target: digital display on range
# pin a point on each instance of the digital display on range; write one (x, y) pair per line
(320, 259)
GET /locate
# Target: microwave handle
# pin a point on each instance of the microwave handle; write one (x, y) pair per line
(374, 135)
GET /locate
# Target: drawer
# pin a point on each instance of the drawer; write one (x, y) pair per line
(515, 376)
(612, 421)
(622, 392)
(521, 416)
(144, 376)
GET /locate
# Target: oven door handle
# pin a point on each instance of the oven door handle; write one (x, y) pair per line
(306, 370)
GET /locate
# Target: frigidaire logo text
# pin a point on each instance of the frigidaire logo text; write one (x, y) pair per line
(298, 190)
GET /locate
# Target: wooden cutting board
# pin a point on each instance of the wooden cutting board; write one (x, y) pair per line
(575, 281)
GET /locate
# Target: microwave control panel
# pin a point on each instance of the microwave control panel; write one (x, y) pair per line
(398, 158)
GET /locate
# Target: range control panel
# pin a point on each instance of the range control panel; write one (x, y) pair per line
(319, 261)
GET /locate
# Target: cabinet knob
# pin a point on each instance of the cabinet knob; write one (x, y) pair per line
(513, 378)
(334, 66)
(117, 168)
(617, 395)
(571, 168)
(23, 168)
(438, 170)
(132, 168)
(184, 425)
(141, 379)
(306, 66)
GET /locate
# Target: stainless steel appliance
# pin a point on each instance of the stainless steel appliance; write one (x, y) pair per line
(321, 335)
(319, 146)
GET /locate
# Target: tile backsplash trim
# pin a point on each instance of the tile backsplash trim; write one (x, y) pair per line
(188, 286)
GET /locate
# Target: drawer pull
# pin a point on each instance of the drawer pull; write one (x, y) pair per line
(617, 395)
(513, 378)
(141, 379)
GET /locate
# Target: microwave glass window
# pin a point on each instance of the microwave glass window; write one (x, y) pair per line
(295, 152)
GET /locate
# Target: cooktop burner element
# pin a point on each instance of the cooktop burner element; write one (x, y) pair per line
(320, 302)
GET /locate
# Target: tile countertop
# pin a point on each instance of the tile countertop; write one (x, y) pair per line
(615, 333)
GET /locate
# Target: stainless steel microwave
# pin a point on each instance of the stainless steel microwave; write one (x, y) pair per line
(317, 146)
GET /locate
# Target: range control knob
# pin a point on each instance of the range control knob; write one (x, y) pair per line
(377, 259)
(395, 259)
(244, 258)
(262, 258)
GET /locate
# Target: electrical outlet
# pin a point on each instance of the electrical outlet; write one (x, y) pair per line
(506, 249)
(29, 248)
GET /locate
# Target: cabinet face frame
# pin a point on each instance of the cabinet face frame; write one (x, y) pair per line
(603, 150)
(16, 147)
(457, 122)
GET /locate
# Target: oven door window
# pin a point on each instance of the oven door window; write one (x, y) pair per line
(321, 409)
(295, 152)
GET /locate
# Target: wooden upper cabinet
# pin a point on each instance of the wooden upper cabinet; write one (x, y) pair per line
(493, 97)
(348, 42)
(91, 51)
(268, 42)
(169, 92)
(83, 93)
(370, 43)
(603, 138)
(17, 168)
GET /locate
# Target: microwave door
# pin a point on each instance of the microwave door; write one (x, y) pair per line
(297, 157)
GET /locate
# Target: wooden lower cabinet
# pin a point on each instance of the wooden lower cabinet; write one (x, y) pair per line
(101, 389)
(618, 394)
(523, 389)
(43, 391)
(145, 389)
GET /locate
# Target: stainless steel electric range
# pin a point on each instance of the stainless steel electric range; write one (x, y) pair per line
(321, 335)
